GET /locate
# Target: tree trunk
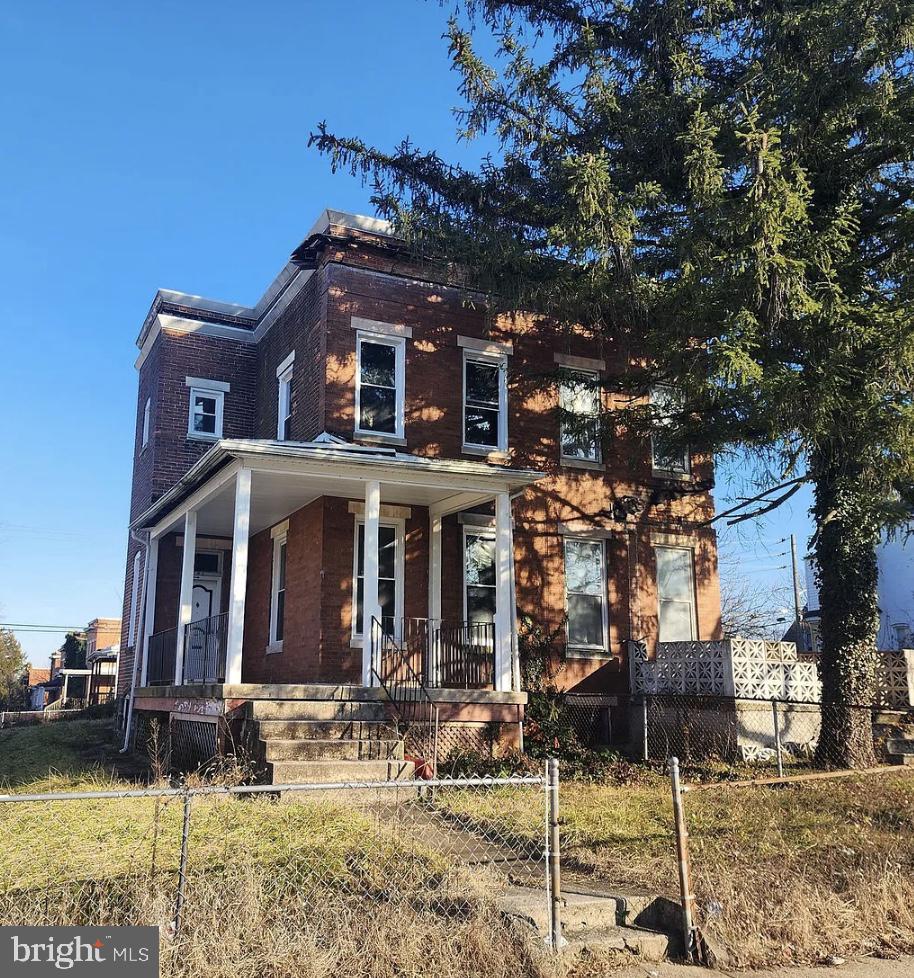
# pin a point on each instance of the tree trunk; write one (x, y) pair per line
(847, 576)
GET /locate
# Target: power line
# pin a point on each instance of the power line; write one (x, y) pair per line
(32, 627)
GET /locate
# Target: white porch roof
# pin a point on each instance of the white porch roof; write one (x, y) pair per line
(288, 475)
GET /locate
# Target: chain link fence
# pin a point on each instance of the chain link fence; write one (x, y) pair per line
(254, 879)
(761, 738)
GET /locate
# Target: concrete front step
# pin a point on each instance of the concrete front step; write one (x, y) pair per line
(327, 750)
(327, 772)
(346, 710)
(325, 730)
(647, 944)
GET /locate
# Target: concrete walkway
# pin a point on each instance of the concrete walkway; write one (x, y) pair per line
(862, 968)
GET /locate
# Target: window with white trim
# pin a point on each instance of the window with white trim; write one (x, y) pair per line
(134, 601)
(205, 416)
(284, 402)
(380, 384)
(585, 596)
(145, 435)
(579, 407)
(675, 594)
(485, 401)
(278, 592)
(390, 572)
(666, 456)
(479, 575)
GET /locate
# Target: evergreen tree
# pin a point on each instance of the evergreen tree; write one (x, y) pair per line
(724, 192)
(13, 669)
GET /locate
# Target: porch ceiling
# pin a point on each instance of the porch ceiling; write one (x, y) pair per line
(286, 476)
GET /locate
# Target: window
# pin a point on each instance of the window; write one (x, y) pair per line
(380, 384)
(146, 409)
(479, 576)
(585, 595)
(665, 456)
(390, 572)
(284, 399)
(134, 600)
(207, 563)
(675, 594)
(579, 405)
(903, 635)
(205, 419)
(485, 402)
(278, 594)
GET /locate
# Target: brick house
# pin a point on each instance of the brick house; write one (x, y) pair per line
(365, 474)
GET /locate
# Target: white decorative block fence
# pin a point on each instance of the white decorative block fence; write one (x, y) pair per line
(755, 670)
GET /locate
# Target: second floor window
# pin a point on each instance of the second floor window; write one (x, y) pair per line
(666, 457)
(207, 399)
(579, 404)
(284, 400)
(146, 410)
(380, 383)
(485, 402)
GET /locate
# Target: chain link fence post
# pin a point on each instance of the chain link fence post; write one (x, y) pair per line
(645, 713)
(182, 867)
(687, 897)
(553, 854)
(777, 737)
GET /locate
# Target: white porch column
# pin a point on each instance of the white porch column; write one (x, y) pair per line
(434, 596)
(504, 601)
(186, 605)
(239, 585)
(149, 605)
(371, 607)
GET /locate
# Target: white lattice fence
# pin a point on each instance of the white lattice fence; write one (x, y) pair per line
(754, 670)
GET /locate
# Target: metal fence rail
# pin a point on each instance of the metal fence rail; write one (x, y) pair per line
(214, 863)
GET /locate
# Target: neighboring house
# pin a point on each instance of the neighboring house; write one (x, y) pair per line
(37, 682)
(895, 559)
(366, 445)
(102, 654)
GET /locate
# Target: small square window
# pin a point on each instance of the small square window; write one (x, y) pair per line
(205, 419)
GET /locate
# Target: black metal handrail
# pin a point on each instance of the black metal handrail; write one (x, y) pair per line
(416, 712)
(205, 644)
(160, 657)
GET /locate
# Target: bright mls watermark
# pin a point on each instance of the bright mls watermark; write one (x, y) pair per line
(38, 952)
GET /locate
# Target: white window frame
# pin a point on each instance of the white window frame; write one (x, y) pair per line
(566, 373)
(280, 535)
(683, 472)
(399, 345)
(212, 389)
(693, 597)
(134, 600)
(284, 395)
(499, 360)
(144, 441)
(399, 526)
(579, 651)
(485, 533)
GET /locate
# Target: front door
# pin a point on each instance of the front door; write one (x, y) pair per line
(199, 661)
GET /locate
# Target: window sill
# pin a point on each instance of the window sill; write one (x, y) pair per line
(570, 462)
(274, 648)
(378, 438)
(665, 476)
(587, 653)
(355, 642)
(196, 436)
(490, 454)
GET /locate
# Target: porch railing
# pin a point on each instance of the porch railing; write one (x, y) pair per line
(160, 657)
(204, 649)
(416, 713)
(448, 654)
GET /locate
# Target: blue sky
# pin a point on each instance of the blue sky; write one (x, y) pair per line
(165, 145)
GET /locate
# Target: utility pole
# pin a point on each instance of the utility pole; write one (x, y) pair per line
(797, 610)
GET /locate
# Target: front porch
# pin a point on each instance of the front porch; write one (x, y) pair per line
(281, 564)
